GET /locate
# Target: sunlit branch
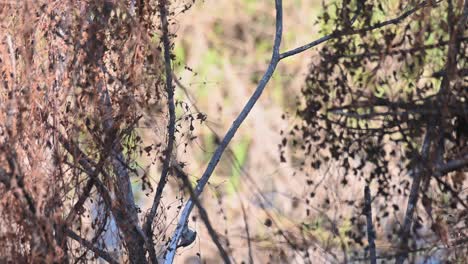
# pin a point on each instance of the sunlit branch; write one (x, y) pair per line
(349, 32)
(399, 51)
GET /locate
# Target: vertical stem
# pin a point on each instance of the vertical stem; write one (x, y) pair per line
(420, 171)
(370, 226)
(171, 128)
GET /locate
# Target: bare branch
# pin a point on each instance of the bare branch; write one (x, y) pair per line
(81, 200)
(308, 46)
(125, 211)
(349, 32)
(125, 224)
(452, 165)
(171, 128)
(203, 214)
(454, 193)
(413, 196)
(99, 252)
(87, 166)
(230, 134)
(403, 51)
(247, 232)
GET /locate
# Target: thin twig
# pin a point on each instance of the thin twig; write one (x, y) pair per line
(247, 232)
(350, 32)
(99, 252)
(98, 168)
(454, 193)
(81, 200)
(87, 166)
(399, 51)
(230, 134)
(203, 214)
(119, 212)
(453, 244)
(171, 129)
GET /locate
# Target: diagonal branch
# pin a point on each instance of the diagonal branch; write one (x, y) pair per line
(348, 32)
(87, 166)
(420, 172)
(203, 214)
(452, 165)
(403, 52)
(118, 211)
(99, 252)
(78, 155)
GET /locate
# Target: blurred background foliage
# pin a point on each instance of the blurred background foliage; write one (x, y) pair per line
(265, 179)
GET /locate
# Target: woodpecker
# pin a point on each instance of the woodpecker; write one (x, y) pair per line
(187, 238)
